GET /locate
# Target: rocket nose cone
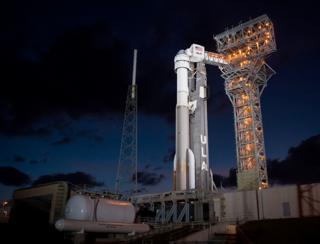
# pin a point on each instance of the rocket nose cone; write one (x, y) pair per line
(59, 224)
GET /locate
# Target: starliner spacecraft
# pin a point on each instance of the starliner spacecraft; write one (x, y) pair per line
(191, 161)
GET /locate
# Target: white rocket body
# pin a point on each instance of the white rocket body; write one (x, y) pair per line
(184, 161)
(182, 67)
(188, 167)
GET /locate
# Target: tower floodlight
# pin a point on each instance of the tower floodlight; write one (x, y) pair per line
(245, 48)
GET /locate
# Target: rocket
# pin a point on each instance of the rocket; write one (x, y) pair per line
(191, 163)
(184, 161)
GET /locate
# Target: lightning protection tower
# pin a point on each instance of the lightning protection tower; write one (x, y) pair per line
(126, 181)
(246, 47)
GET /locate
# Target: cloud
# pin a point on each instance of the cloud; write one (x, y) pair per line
(19, 159)
(43, 159)
(84, 68)
(301, 166)
(147, 178)
(229, 181)
(147, 166)
(157, 168)
(34, 161)
(90, 134)
(72, 68)
(11, 176)
(63, 141)
(77, 178)
(39, 126)
(169, 157)
(98, 139)
(70, 134)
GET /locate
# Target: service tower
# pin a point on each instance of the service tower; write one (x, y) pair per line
(246, 47)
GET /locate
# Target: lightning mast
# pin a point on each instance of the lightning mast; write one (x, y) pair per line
(127, 178)
(245, 48)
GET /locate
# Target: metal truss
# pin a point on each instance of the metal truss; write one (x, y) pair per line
(126, 181)
(245, 48)
(180, 206)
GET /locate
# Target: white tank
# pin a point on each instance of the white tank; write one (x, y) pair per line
(115, 211)
(81, 207)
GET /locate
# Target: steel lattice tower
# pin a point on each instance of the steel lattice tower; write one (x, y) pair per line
(245, 47)
(126, 181)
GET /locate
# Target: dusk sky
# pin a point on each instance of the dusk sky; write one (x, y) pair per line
(66, 67)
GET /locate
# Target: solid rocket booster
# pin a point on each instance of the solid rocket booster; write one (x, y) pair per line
(184, 169)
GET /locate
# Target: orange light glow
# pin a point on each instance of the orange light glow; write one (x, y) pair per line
(248, 136)
(246, 111)
(249, 163)
(248, 121)
(245, 97)
(249, 147)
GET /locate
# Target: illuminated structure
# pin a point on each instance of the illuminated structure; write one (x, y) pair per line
(245, 47)
(126, 181)
(240, 57)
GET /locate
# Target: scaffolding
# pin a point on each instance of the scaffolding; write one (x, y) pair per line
(245, 48)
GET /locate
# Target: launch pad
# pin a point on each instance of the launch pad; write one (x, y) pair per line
(240, 58)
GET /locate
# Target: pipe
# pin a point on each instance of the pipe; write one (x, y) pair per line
(99, 227)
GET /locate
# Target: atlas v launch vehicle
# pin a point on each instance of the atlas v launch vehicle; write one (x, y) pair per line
(191, 161)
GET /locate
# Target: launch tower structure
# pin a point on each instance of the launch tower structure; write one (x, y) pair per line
(241, 58)
(245, 47)
(127, 175)
(241, 54)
